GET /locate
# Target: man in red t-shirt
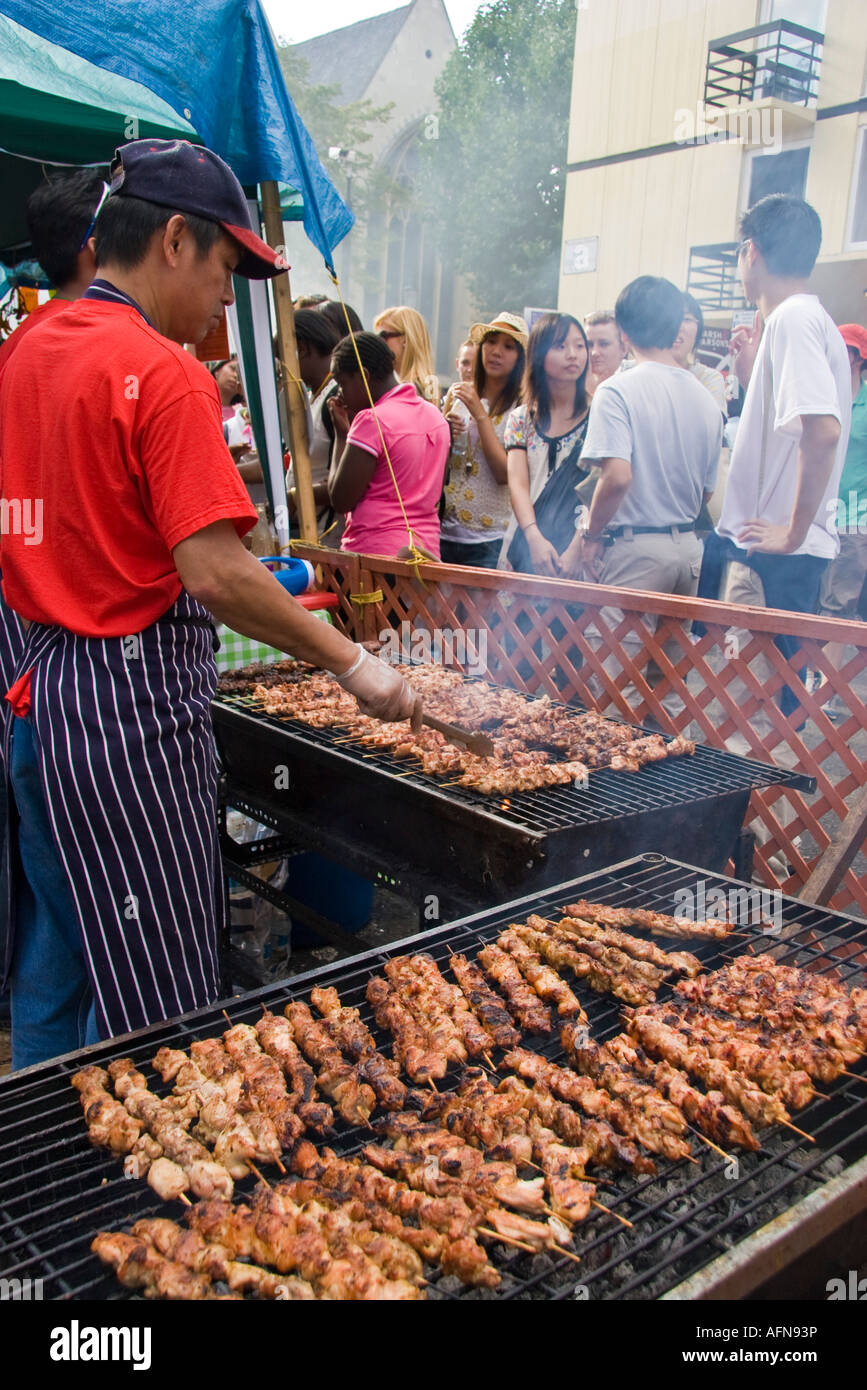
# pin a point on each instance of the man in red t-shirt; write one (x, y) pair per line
(123, 513)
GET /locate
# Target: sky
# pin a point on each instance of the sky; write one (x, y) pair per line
(295, 22)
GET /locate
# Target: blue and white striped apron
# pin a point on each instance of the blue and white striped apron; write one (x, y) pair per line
(124, 737)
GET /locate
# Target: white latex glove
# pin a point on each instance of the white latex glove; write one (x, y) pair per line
(379, 690)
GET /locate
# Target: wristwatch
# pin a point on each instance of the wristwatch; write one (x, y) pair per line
(584, 532)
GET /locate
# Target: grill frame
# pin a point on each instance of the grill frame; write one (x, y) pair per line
(704, 1210)
(363, 806)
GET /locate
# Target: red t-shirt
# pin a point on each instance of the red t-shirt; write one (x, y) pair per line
(111, 453)
(38, 315)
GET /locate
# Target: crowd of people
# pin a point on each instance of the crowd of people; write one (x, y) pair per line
(581, 450)
(592, 449)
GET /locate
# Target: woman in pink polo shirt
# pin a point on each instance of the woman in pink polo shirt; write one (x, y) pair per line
(418, 442)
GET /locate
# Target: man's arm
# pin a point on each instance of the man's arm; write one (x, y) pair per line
(820, 435)
(215, 568)
(584, 553)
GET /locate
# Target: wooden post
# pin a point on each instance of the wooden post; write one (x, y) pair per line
(296, 409)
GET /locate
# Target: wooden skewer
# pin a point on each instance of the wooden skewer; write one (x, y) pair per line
(227, 1018)
(711, 1145)
(182, 1196)
(567, 1254)
(259, 1174)
(488, 1060)
(853, 1074)
(622, 1219)
(432, 1084)
(794, 1128)
(506, 1240)
(280, 1166)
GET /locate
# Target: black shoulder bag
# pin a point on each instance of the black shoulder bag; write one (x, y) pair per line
(555, 506)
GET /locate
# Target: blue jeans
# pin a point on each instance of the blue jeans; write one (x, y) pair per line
(52, 1001)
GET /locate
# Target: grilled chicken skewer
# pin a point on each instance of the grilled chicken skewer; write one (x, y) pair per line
(708, 1112)
(680, 962)
(441, 1031)
(474, 1035)
(109, 1123)
(276, 1038)
(543, 979)
(139, 1266)
(187, 1248)
(657, 923)
(355, 1040)
(411, 1048)
(661, 1041)
(597, 1062)
(227, 1120)
(206, 1177)
(354, 1099)
(273, 1230)
(581, 1092)
(523, 1004)
(445, 1224)
(767, 1065)
(486, 1005)
(604, 979)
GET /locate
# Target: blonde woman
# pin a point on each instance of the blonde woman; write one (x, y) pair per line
(406, 333)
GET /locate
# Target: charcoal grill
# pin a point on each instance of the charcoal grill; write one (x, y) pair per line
(689, 1221)
(378, 814)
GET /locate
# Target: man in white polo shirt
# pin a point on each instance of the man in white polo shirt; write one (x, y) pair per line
(779, 508)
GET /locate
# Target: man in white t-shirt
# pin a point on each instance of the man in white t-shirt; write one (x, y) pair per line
(656, 435)
(778, 517)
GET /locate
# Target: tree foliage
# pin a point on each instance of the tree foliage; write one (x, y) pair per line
(495, 175)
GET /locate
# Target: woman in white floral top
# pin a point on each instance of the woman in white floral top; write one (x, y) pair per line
(477, 494)
(547, 429)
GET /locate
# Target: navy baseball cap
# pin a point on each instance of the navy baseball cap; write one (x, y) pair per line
(194, 179)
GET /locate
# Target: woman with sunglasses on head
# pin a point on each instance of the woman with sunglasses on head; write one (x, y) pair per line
(406, 333)
(478, 509)
(543, 436)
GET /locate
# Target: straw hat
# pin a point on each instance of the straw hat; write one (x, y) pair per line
(504, 322)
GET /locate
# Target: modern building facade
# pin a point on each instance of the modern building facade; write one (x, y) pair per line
(684, 112)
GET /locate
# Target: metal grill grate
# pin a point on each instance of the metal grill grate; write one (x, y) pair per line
(609, 796)
(56, 1191)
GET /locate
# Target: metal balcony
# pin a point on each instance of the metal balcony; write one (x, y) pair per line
(713, 277)
(778, 62)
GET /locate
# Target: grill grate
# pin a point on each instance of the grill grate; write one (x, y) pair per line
(609, 796)
(56, 1191)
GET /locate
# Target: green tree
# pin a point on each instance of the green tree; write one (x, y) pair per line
(495, 175)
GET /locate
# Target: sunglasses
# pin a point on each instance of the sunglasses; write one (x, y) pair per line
(389, 333)
(89, 233)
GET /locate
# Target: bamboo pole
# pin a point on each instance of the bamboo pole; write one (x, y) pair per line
(295, 405)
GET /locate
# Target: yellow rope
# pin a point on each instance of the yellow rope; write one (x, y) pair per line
(418, 558)
(376, 596)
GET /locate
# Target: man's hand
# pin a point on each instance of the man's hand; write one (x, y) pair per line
(744, 345)
(380, 691)
(767, 537)
(582, 559)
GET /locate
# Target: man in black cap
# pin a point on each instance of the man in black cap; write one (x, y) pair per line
(117, 883)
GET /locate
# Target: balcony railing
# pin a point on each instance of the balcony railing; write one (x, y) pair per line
(713, 277)
(778, 61)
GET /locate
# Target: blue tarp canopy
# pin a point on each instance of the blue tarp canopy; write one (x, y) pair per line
(214, 65)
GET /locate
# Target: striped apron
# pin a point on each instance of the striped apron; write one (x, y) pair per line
(123, 731)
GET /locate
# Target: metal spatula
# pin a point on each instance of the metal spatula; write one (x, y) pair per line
(480, 744)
